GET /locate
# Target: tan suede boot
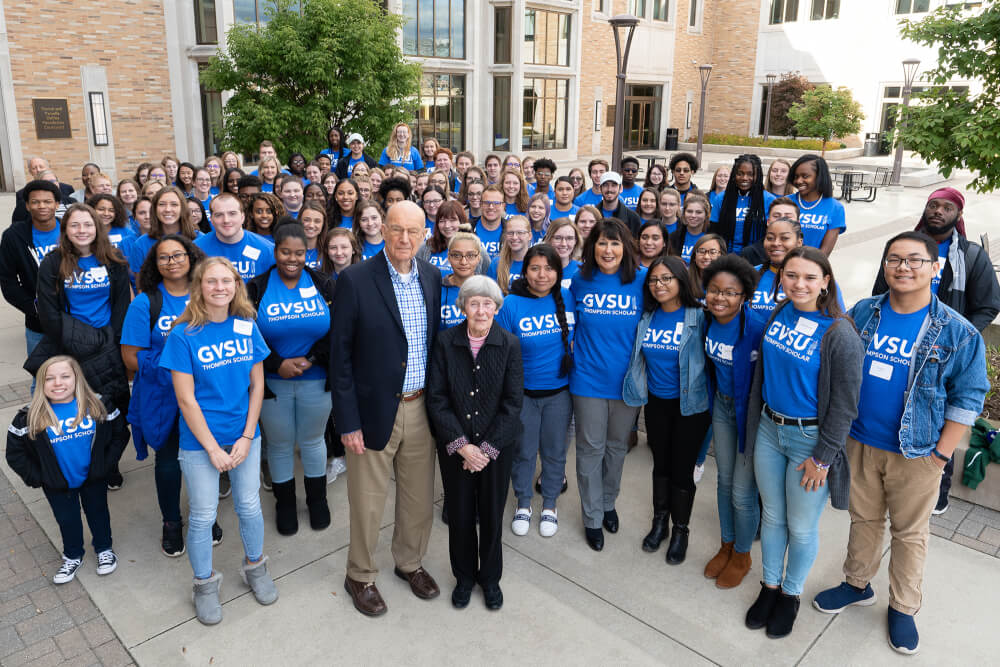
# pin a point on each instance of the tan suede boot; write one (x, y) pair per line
(735, 570)
(719, 560)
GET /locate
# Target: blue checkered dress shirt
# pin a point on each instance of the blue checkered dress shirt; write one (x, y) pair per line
(413, 312)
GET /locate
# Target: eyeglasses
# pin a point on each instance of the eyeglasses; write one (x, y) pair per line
(463, 256)
(729, 294)
(514, 164)
(492, 203)
(915, 263)
(473, 179)
(177, 258)
(563, 239)
(518, 233)
(433, 201)
(661, 280)
(630, 170)
(708, 252)
(576, 179)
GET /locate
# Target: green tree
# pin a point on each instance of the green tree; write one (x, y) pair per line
(788, 90)
(335, 63)
(826, 113)
(957, 129)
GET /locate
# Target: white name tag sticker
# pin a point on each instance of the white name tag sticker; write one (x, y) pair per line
(115, 238)
(806, 326)
(880, 370)
(99, 273)
(244, 327)
(251, 252)
(307, 292)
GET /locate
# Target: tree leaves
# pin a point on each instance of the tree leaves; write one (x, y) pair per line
(336, 63)
(826, 113)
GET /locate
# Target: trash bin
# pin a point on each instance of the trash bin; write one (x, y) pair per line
(872, 141)
(671, 142)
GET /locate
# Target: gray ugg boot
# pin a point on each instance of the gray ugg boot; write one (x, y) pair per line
(256, 576)
(206, 599)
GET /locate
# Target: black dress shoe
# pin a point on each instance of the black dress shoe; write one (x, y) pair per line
(761, 610)
(460, 596)
(782, 617)
(677, 549)
(494, 597)
(611, 521)
(595, 538)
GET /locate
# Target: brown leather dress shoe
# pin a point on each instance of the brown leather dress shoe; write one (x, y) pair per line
(421, 583)
(366, 597)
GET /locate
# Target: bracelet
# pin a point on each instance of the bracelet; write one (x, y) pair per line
(247, 437)
(819, 466)
(941, 456)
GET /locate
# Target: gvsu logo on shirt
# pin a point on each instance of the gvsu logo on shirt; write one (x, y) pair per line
(287, 310)
(791, 341)
(452, 314)
(665, 339)
(96, 277)
(719, 351)
(246, 268)
(492, 247)
(40, 251)
(891, 348)
(813, 220)
(225, 352)
(610, 303)
(66, 429)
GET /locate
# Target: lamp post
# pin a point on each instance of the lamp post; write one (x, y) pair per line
(767, 114)
(617, 24)
(705, 71)
(910, 66)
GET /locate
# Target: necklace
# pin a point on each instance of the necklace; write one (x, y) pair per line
(802, 204)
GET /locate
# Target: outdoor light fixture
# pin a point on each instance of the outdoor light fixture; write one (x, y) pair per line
(617, 24)
(910, 66)
(705, 71)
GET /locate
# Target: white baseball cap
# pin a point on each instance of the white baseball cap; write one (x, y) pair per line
(355, 137)
(611, 177)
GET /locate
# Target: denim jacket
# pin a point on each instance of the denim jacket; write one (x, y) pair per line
(691, 359)
(947, 378)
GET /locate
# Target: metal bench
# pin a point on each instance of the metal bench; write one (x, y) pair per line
(867, 181)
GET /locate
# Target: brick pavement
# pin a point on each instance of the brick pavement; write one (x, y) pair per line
(41, 623)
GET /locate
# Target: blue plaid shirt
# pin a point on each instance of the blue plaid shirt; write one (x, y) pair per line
(413, 312)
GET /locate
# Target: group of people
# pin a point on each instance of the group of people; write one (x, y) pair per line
(374, 314)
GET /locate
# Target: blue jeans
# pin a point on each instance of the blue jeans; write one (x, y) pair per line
(66, 503)
(32, 339)
(739, 513)
(791, 514)
(703, 452)
(297, 414)
(546, 421)
(202, 480)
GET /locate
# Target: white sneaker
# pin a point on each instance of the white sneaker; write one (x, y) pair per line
(68, 570)
(340, 465)
(699, 470)
(522, 521)
(548, 524)
(107, 562)
(331, 471)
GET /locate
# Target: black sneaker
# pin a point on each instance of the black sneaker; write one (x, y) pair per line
(942, 505)
(172, 543)
(782, 618)
(115, 480)
(216, 534)
(225, 486)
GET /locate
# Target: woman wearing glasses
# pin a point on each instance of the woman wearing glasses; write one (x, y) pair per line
(450, 221)
(732, 337)
(506, 268)
(667, 374)
(464, 255)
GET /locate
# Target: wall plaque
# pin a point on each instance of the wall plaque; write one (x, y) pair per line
(51, 119)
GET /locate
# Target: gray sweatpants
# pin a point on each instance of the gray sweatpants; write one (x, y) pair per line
(602, 430)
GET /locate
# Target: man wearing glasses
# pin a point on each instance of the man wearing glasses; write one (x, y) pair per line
(924, 382)
(490, 227)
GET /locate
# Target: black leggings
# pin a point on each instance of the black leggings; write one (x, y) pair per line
(674, 439)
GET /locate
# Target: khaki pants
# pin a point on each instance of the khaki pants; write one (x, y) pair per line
(908, 489)
(410, 455)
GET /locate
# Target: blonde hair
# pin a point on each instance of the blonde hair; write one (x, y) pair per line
(558, 224)
(40, 413)
(521, 201)
(392, 147)
(196, 313)
(506, 256)
(260, 169)
(789, 188)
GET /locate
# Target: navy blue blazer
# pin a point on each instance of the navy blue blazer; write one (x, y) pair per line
(368, 346)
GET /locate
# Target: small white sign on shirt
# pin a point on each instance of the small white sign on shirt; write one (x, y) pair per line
(244, 327)
(880, 370)
(806, 326)
(251, 252)
(307, 292)
(115, 238)
(99, 273)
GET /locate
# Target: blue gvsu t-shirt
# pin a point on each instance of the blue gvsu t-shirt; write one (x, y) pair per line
(451, 315)
(88, 292)
(252, 255)
(440, 260)
(42, 243)
(884, 378)
(491, 239)
(791, 353)
(535, 323)
(136, 329)
(607, 314)
(661, 346)
(943, 248)
(514, 272)
(292, 320)
(742, 206)
(219, 355)
(819, 217)
(72, 444)
(720, 339)
(411, 162)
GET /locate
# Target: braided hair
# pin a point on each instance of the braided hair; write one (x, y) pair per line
(520, 288)
(754, 224)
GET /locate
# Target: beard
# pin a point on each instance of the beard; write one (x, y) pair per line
(938, 228)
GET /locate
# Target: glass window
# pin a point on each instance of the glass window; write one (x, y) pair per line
(637, 8)
(545, 107)
(912, 6)
(693, 15)
(784, 11)
(205, 28)
(502, 37)
(434, 28)
(211, 117)
(825, 9)
(441, 113)
(99, 119)
(661, 10)
(501, 113)
(546, 37)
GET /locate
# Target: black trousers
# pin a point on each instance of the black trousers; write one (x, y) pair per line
(66, 508)
(675, 440)
(476, 559)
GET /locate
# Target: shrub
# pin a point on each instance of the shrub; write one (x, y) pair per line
(740, 140)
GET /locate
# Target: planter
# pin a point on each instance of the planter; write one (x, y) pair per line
(763, 151)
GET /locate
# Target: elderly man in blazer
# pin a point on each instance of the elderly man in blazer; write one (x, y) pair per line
(388, 309)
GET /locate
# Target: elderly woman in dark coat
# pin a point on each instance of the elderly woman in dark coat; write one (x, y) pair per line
(474, 391)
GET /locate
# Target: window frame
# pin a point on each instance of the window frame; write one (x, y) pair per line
(825, 14)
(528, 82)
(419, 121)
(568, 37)
(785, 6)
(696, 13)
(451, 29)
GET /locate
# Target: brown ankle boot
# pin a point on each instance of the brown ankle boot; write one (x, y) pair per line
(735, 570)
(719, 560)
